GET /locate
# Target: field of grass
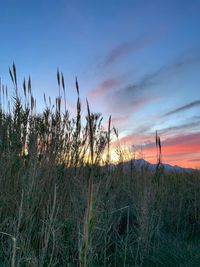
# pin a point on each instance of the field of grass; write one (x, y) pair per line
(59, 206)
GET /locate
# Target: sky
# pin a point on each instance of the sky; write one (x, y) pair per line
(136, 60)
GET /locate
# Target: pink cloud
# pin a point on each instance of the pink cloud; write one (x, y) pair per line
(105, 86)
(117, 121)
(182, 150)
(135, 139)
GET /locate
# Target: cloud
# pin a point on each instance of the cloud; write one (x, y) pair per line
(157, 76)
(183, 108)
(185, 126)
(135, 139)
(130, 94)
(126, 48)
(118, 121)
(118, 52)
(132, 97)
(106, 86)
(189, 140)
(194, 160)
(127, 98)
(145, 127)
(129, 105)
(145, 82)
(183, 150)
(196, 117)
(184, 138)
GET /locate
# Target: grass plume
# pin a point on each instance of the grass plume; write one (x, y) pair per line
(63, 204)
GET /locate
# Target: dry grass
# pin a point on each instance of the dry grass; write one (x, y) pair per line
(61, 207)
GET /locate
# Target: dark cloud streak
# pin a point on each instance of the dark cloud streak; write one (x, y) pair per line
(183, 108)
(118, 52)
(181, 127)
(138, 90)
(127, 48)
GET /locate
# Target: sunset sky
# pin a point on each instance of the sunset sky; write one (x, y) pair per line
(136, 60)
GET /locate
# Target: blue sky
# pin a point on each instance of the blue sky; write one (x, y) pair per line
(136, 60)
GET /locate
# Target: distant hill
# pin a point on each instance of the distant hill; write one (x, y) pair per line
(141, 163)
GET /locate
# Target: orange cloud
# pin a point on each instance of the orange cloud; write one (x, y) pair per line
(179, 150)
(182, 150)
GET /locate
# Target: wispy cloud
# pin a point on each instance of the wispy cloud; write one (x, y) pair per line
(136, 91)
(194, 160)
(106, 86)
(189, 139)
(156, 77)
(126, 48)
(118, 52)
(128, 105)
(133, 96)
(196, 117)
(183, 108)
(184, 126)
(118, 121)
(136, 139)
(182, 150)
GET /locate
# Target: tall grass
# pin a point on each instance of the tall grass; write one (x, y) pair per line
(60, 206)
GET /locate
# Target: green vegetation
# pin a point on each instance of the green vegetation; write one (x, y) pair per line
(60, 207)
